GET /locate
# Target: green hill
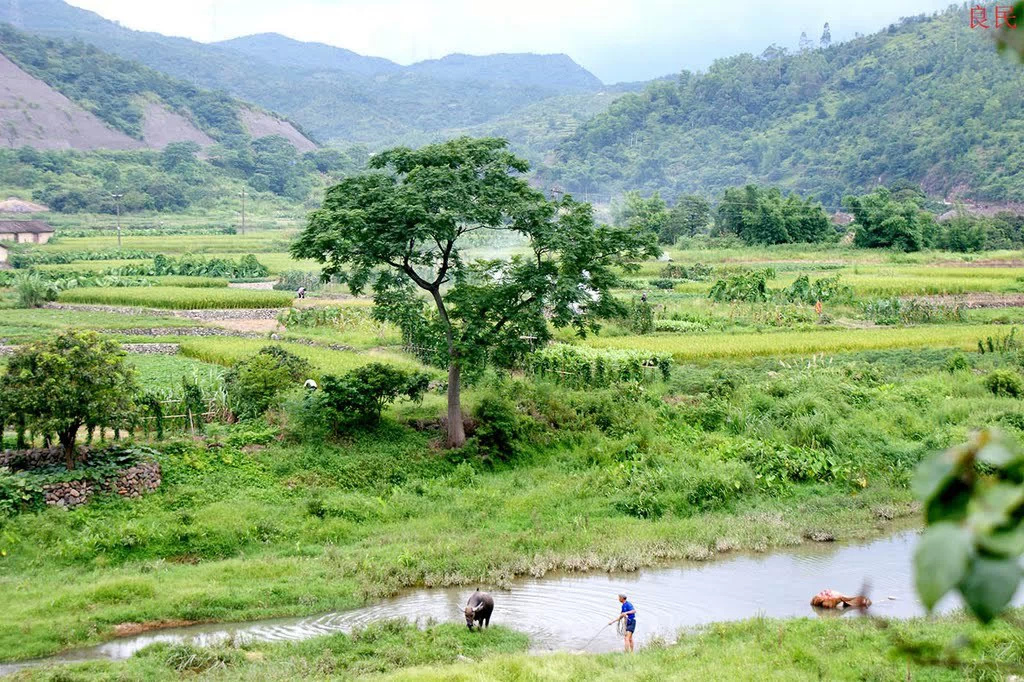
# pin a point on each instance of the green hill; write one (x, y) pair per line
(334, 94)
(927, 100)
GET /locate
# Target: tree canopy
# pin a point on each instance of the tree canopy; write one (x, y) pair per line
(73, 380)
(405, 225)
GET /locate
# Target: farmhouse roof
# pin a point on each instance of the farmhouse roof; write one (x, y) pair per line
(23, 226)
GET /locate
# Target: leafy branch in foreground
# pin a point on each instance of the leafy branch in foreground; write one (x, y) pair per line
(974, 508)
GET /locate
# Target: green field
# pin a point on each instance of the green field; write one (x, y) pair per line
(772, 421)
(178, 298)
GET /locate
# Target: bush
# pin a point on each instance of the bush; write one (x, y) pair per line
(500, 428)
(16, 491)
(718, 485)
(1004, 382)
(661, 283)
(957, 362)
(33, 290)
(748, 287)
(358, 397)
(256, 384)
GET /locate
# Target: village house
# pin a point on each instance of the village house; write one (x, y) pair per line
(25, 231)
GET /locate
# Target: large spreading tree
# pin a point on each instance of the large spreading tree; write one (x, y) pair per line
(73, 380)
(407, 223)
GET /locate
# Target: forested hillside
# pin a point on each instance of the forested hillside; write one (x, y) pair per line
(119, 91)
(927, 100)
(334, 94)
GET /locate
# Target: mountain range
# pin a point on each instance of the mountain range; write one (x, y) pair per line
(926, 100)
(335, 94)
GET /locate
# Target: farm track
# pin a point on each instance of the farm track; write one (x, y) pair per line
(134, 348)
(975, 300)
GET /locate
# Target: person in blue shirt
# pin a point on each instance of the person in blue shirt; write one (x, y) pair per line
(629, 613)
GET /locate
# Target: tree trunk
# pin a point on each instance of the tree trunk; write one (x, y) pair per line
(456, 430)
(67, 444)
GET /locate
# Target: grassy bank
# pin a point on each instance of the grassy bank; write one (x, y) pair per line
(801, 649)
(727, 456)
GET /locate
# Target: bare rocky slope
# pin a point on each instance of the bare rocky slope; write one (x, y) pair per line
(34, 114)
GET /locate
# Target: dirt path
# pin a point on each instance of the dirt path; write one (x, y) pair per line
(975, 300)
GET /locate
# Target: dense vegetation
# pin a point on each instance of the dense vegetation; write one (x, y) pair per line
(925, 100)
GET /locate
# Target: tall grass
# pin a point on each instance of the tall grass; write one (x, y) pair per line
(178, 298)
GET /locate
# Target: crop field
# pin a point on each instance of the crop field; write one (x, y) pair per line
(691, 347)
(163, 374)
(178, 298)
(227, 351)
(728, 425)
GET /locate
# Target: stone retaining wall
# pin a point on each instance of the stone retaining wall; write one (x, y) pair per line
(135, 481)
(140, 478)
(38, 458)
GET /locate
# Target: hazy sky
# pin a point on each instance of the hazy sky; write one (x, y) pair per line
(617, 40)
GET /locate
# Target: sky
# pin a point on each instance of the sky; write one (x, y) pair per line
(616, 40)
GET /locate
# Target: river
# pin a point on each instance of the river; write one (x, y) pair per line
(565, 611)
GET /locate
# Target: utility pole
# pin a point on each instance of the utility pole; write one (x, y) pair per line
(242, 194)
(117, 197)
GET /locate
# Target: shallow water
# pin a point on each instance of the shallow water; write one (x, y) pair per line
(565, 611)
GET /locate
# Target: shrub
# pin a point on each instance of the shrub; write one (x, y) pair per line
(500, 428)
(358, 397)
(748, 287)
(16, 491)
(33, 290)
(825, 290)
(640, 317)
(1004, 382)
(661, 283)
(256, 384)
(718, 484)
(957, 362)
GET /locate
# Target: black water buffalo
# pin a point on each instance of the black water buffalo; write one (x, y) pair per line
(478, 609)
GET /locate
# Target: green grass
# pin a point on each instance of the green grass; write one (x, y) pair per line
(163, 374)
(18, 325)
(378, 648)
(738, 345)
(178, 298)
(797, 650)
(758, 649)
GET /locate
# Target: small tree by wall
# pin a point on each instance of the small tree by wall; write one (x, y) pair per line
(59, 385)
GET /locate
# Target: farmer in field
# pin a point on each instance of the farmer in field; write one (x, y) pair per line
(629, 613)
(302, 292)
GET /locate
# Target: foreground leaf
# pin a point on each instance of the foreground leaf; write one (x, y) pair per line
(989, 585)
(940, 561)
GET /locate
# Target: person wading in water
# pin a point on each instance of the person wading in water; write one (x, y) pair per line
(629, 613)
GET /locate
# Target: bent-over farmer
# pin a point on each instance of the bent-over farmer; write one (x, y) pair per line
(629, 613)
